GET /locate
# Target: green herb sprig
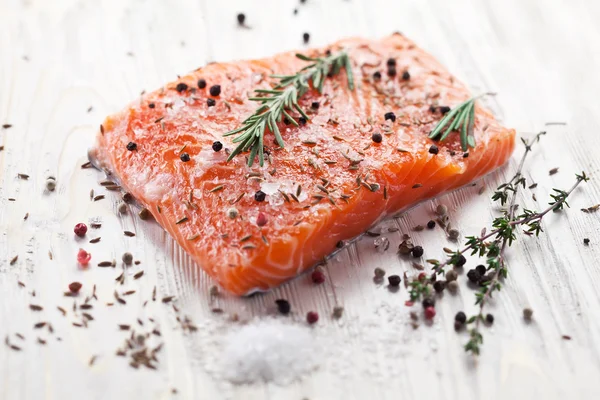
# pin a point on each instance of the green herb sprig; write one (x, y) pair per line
(461, 118)
(278, 102)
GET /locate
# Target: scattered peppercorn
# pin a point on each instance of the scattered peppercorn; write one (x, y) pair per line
(232, 213)
(452, 286)
(391, 71)
(489, 319)
(439, 286)
(417, 251)
(444, 109)
(434, 149)
(460, 317)
(127, 197)
(586, 241)
(453, 234)
(441, 209)
(377, 75)
(474, 276)
(458, 326)
(317, 276)
(50, 185)
(122, 208)
(283, 306)
(241, 19)
(302, 121)
(74, 287)
(428, 302)
(260, 195)
(261, 219)
(312, 317)
(315, 105)
(431, 224)
(391, 116)
(211, 102)
(527, 313)
(185, 157)
(391, 62)
(379, 273)
(338, 311)
(451, 275)
(481, 269)
(215, 90)
(377, 138)
(127, 258)
(465, 155)
(306, 37)
(80, 229)
(83, 257)
(429, 312)
(394, 280)
(151, 105)
(131, 146)
(181, 87)
(214, 291)
(405, 75)
(422, 276)
(217, 146)
(340, 244)
(461, 261)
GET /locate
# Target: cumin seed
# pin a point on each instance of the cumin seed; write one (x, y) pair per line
(245, 238)
(23, 176)
(417, 185)
(128, 233)
(167, 299)
(95, 240)
(105, 264)
(14, 260)
(138, 275)
(181, 221)
(216, 189)
(99, 197)
(86, 165)
(191, 238)
(35, 307)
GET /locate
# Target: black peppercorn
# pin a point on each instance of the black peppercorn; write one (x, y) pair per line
(302, 121)
(260, 196)
(444, 109)
(131, 146)
(458, 326)
(428, 302)
(489, 319)
(391, 116)
(431, 224)
(217, 146)
(460, 317)
(376, 75)
(474, 276)
(391, 62)
(185, 157)
(283, 306)
(377, 138)
(439, 286)
(481, 269)
(306, 37)
(394, 280)
(215, 90)
(405, 75)
(586, 241)
(391, 71)
(211, 102)
(315, 105)
(201, 83)
(181, 87)
(434, 149)
(417, 251)
(151, 105)
(461, 261)
(465, 155)
(286, 121)
(339, 244)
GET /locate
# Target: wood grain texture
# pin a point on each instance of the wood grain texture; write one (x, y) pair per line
(58, 58)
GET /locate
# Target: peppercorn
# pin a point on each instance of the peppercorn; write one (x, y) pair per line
(586, 241)
(453, 233)
(312, 317)
(185, 157)
(201, 83)
(317, 276)
(377, 75)
(306, 37)
(428, 302)
(527, 313)
(340, 244)
(451, 275)
(429, 312)
(261, 219)
(302, 121)
(260, 195)
(122, 208)
(127, 258)
(474, 276)
(481, 269)
(405, 76)
(439, 286)
(127, 197)
(131, 146)
(211, 102)
(417, 251)
(391, 71)
(338, 311)
(80, 229)
(283, 306)
(444, 109)
(431, 224)
(391, 62)
(241, 18)
(461, 261)
(377, 138)
(379, 273)
(151, 105)
(422, 276)
(434, 149)
(214, 291)
(215, 90)
(441, 209)
(83, 257)
(460, 317)
(394, 280)
(458, 326)
(489, 319)
(315, 105)
(217, 146)
(465, 155)
(50, 185)
(144, 214)
(486, 278)
(452, 287)
(232, 213)
(74, 287)
(391, 116)
(181, 87)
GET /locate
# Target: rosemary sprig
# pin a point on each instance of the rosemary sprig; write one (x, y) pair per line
(278, 102)
(461, 118)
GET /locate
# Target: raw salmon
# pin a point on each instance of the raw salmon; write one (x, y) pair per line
(252, 228)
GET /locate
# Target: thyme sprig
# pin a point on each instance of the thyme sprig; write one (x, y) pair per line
(281, 100)
(461, 118)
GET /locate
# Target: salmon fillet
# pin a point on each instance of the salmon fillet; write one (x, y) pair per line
(330, 182)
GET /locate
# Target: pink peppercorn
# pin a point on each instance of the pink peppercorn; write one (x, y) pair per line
(80, 229)
(74, 287)
(409, 303)
(312, 317)
(317, 276)
(261, 220)
(429, 312)
(422, 276)
(83, 257)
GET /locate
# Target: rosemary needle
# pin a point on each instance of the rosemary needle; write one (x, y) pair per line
(461, 118)
(278, 102)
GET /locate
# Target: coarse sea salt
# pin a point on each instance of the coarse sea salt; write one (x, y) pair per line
(269, 350)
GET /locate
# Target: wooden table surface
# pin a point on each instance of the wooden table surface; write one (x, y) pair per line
(65, 64)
